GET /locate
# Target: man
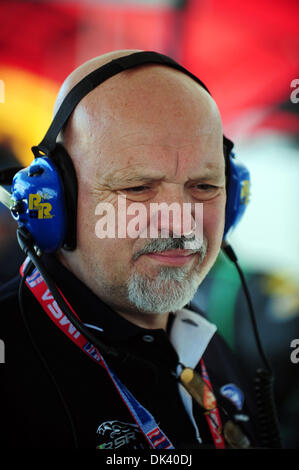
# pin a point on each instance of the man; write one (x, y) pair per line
(150, 135)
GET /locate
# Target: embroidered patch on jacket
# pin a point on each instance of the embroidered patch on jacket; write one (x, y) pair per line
(234, 394)
(116, 434)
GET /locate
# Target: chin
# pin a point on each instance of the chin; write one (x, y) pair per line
(168, 292)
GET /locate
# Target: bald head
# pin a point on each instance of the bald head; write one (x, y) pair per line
(143, 96)
(84, 69)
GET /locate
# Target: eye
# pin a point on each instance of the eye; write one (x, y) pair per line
(140, 193)
(205, 192)
(206, 187)
(137, 189)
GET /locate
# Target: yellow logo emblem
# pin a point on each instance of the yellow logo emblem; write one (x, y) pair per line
(42, 209)
(245, 192)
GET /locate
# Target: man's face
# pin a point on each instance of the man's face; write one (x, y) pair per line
(159, 141)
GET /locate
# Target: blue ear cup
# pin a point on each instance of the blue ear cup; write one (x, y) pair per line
(38, 194)
(238, 193)
(45, 201)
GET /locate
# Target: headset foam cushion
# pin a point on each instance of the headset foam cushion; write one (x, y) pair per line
(67, 173)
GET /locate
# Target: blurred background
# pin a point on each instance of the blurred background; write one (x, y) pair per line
(247, 54)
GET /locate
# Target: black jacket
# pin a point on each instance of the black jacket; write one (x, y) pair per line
(64, 399)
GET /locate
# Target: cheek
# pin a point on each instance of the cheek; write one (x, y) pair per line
(86, 220)
(105, 254)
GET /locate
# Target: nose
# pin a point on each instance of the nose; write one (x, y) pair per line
(174, 219)
(174, 215)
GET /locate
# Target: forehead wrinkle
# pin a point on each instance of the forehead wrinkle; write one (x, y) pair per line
(124, 175)
(150, 138)
(135, 170)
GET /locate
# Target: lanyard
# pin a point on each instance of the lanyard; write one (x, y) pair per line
(145, 421)
(213, 417)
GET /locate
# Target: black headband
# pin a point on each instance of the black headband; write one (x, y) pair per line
(95, 78)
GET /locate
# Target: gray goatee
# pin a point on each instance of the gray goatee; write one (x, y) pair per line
(173, 287)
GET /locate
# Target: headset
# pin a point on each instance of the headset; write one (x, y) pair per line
(45, 193)
(43, 200)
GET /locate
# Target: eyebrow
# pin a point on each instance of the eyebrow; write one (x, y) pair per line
(213, 176)
(137, 178)
(140, 178)
(120, 177)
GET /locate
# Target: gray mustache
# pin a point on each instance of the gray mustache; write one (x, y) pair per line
(166, 244)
